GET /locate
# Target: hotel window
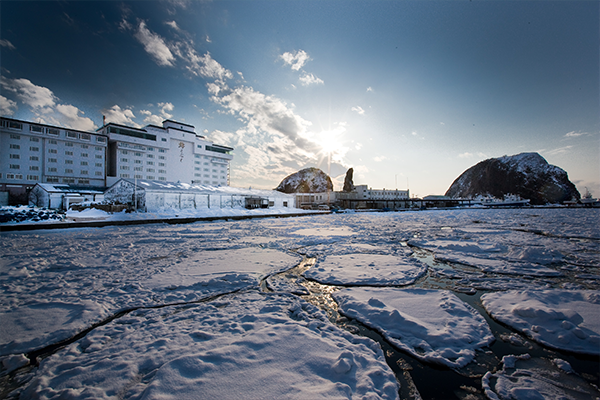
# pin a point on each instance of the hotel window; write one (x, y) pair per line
(15, 146)
(98, 148)
(100, 139)
(99, 165)
(34, 139)
(124, 167)
(34, 149)
(84, 172)
(84, 181)
(52, 160)
(68, 153)
(34, 168)
(72, 135)
(138, 169)
(68, 171)
(69, 180)
(51, 141)
(162, 178)
(84, 163)
(34, 158)
(137, 154)
(69, 144)
(84, 146)
(197, 174)
(161, 164)
(137, 161)
(52, 169)
(15, 125)
(162, 171)
(52, 151)
(124, 152)
(150, 162)
(150, 170)
(150, 177)
(161, 150)
(69, 162)
(150, 155)
(14, 166)
(197, 169)
(150, 148)
(124, 175)
(161, 157)
(85, 136)
(139, 176)
(163, 139)
(32, 177)
(84, 154)
(98, 173)
(52, 131)
(15, 156)
(99, 156)
(124, 160)
(35, 128)
(52, 179)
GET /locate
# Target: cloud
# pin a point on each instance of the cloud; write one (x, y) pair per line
(117, 115)
(574, 134)
(560, 150)
(173, 25)
(37, 97)
(154, 45)
(370, 89)
(359, 110)
(296, 60)
(471, 155)
(309, 79)
(163, 114)
(7, 106)
(43, 104)
(6, 43)
(379, 158)
(73, 119)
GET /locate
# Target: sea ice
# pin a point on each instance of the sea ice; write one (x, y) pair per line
(523, 377)
(250, 346)
(366, 269)
(433, 325)
(561, 319)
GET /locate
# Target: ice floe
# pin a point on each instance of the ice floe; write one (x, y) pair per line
(367, 269)
(249, 346)
(561, 319)
(432, 325)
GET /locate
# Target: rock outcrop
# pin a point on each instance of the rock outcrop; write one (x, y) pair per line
(527, 174)
(348, 182)
(308, 180)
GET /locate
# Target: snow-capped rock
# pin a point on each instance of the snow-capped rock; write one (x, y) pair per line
(527, 174)
(308, 180)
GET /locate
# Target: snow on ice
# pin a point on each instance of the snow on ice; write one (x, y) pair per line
(176, 308)
(433, 325)
(561, 319)
(367, 269)
(523, 377)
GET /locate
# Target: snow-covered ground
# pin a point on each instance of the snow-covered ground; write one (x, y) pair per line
(214, 309)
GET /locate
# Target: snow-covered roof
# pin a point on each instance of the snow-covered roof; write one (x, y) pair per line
(179, 187)
(65, 188)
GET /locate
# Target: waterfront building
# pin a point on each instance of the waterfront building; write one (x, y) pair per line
(33, 153)
(171, 153)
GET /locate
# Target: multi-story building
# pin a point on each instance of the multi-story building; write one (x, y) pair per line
(171, 153)
(32, 153)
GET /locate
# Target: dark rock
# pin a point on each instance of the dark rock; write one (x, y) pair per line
(527, 174)
(308, 180)
(348, 182)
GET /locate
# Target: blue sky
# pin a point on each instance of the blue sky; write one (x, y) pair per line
(409, 94)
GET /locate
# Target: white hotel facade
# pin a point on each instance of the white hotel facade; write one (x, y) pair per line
(33, 153)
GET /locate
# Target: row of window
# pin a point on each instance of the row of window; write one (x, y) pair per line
(50, 131)
(49, 179)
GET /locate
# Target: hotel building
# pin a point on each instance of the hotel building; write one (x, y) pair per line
(33, 153)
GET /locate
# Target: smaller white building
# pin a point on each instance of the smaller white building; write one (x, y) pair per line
(61, 196)
(154, 196)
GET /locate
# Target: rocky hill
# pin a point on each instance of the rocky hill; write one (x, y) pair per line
(527, 174)
(308, 180)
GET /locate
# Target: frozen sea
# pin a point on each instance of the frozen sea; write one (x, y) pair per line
(440, 304)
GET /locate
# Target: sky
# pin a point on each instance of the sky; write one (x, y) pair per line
(409, 94)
